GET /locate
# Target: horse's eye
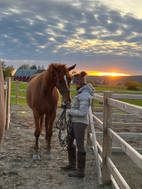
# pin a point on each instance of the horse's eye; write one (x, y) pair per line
(60, 81)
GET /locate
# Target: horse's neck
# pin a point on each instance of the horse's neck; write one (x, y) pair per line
(49, 80)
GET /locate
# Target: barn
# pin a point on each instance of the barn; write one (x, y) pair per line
(25, 74)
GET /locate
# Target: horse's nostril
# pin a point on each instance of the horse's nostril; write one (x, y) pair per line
(67, 103)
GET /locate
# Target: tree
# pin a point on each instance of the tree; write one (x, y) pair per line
(33, 67)
(132, 85)
(7, 70)
(92, 82)
(24, 66)
(42, 67)
(3, 64)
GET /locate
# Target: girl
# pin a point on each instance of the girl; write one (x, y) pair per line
(79, 114)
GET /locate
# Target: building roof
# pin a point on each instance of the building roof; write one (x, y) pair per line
(27, 72)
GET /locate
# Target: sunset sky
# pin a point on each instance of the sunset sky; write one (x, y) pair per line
(99, 36)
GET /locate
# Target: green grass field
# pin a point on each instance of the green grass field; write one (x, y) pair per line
(23, 86)
(21, 101)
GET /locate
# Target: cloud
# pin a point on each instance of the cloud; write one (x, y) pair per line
(64, 30)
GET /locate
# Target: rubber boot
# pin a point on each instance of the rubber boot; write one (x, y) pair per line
(80, 172)
(72, 160)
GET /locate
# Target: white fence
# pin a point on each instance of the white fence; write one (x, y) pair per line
(16, 89)
(107, 171)
(4, 104)
(7, 92)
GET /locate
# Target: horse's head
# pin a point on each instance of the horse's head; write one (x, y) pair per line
(62, 80)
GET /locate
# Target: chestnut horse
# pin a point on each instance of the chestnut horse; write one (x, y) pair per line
(42, 97)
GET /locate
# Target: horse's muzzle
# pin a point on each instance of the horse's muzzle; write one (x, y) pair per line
(66, 104)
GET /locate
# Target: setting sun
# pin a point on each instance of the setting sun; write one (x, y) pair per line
(113, 74)
(13, 72)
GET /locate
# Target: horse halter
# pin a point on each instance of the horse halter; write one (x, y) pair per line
(57, 85)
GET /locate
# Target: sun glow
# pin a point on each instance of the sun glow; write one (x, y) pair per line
(113, 74)
(13, 72)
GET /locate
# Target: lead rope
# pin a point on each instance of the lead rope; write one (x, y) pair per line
(64, 125)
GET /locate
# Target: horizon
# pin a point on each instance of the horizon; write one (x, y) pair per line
(114, 76)
(100, 74)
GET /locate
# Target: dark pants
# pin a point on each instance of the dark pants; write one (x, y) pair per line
(78, 133)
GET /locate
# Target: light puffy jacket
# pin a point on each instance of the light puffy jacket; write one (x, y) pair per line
(81, 103)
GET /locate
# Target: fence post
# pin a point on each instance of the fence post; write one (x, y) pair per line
(89, 142)
(116, 91)
(107, 142)
(2, 105)
(5, 98)
(95, 147)
(8, 80)
(16, 100)
(5, 101)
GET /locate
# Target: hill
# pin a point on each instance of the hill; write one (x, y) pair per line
(114, 80)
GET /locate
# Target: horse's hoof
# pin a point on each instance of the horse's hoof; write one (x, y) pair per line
(49, 157)
(36, 157)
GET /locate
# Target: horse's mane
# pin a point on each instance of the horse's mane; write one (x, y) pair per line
(59, 66)
(32, 77)
(49, 70)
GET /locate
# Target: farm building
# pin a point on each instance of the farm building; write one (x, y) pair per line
(25, 74)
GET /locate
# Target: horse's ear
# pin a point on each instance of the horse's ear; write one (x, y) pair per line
(55, 68)
(72, 67)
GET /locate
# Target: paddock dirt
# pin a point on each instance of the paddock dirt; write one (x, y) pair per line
(19, 171)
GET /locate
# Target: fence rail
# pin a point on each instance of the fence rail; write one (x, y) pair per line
(16, 96)
(107, 170)
(120, 96)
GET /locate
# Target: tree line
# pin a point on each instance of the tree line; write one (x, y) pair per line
(33, 67)
(8, 70)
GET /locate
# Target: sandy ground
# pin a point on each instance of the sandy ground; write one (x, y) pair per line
(19, 171)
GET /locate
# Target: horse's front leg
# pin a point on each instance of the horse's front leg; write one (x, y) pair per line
(38, 128)
(49, 120)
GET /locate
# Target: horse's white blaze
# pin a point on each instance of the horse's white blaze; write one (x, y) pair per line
(65, 78)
